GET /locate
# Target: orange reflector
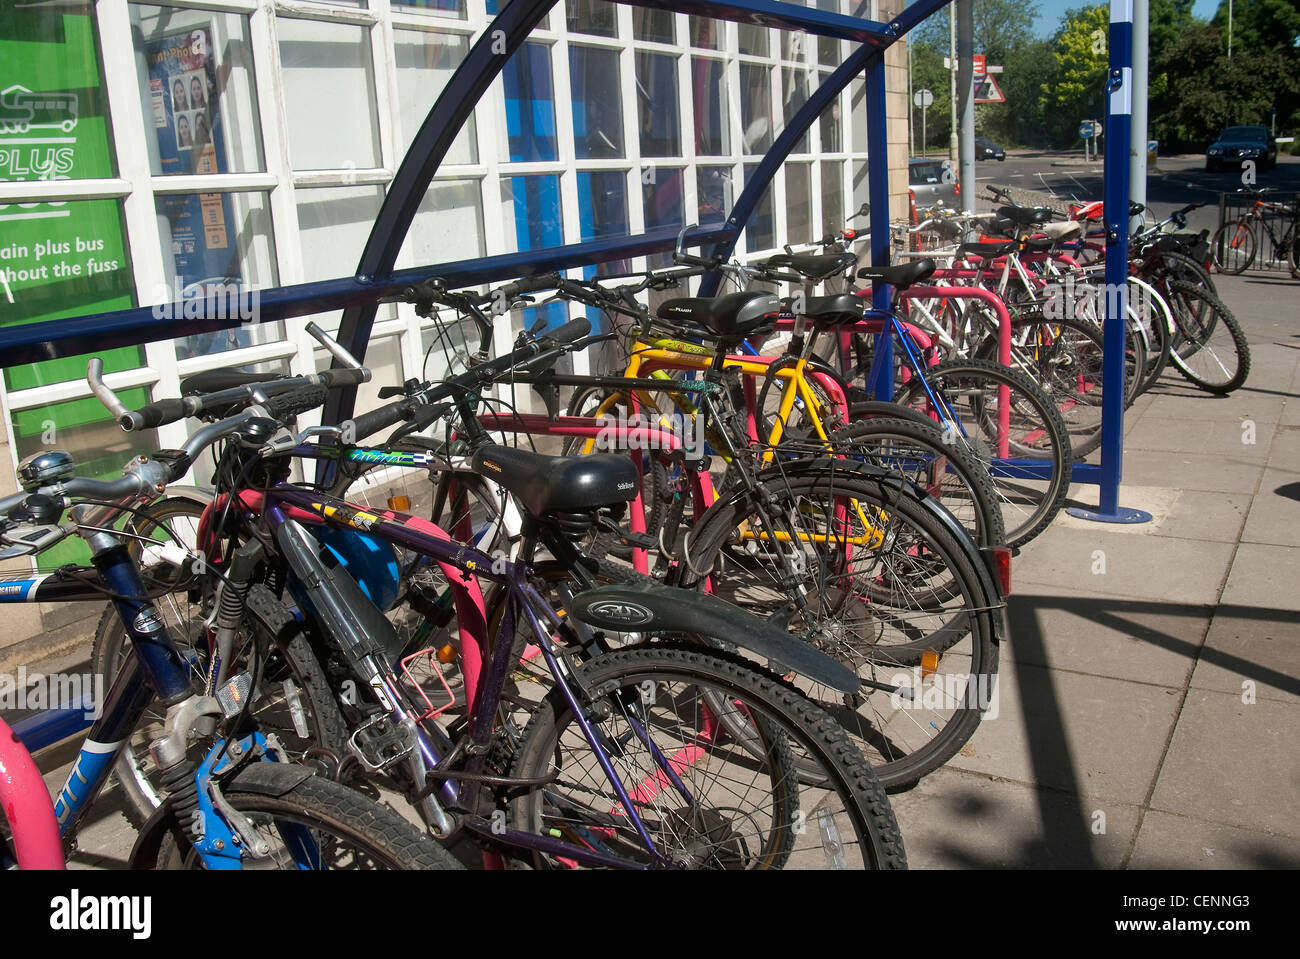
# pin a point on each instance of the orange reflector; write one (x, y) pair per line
(1002, 563)
(447, 654)
(399, 503)
(929, 662)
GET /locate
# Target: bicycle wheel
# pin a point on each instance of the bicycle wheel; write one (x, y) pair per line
(1233, 246)
(1026, 437)
(1293, 250)
(1213, 354)
(1066, 358)
(1178, 266)
(318, 824)
(1155, 323)
(707, 797)
(917, 452)
(861, 567)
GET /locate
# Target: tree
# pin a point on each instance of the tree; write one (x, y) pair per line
(1077, 91)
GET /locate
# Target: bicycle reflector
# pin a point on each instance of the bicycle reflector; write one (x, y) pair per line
(1002, 566)
(399, 504)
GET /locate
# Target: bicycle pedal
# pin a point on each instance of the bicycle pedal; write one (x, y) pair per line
(379, 742)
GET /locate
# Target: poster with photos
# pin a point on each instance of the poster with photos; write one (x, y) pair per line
(186, 112)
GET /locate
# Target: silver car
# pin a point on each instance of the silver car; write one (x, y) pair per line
(933, 181)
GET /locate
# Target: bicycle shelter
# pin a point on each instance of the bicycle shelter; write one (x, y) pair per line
(375, 277)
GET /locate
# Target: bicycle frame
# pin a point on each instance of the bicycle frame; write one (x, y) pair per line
(484, 681)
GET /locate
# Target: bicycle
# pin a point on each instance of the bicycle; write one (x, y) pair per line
(1236, 243)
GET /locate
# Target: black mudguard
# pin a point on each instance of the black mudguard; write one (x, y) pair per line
(645, 607)
(267, 778)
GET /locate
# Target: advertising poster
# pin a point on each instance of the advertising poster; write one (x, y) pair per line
(58, 259)
(185, 111)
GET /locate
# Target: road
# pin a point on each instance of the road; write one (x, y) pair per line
(1174, 182)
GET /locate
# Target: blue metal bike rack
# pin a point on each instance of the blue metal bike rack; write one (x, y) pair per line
(375, 277)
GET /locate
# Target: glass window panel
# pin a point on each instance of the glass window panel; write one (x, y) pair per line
(794, 82)
(861, 183)
(329, 94)
(760, 231)
(798, 202)
(664, 206)
(602, 211)
(656, 77)
(828, 48)
(530, 104)
(54, 119)
(832, 192)
(448, 225)
(425, 62)
(832, 129)
(597, 103)
(756, 107)
(753, 39)
(86, 430)
(219, 243)
(709, 98)
(794, 45)
(334, 223)
(657, 26)
(197, 91)
(530, 211)
(707, 33)
(442, 8)
(713, 193)
(596, 17)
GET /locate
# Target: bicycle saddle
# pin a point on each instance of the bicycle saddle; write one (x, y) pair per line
(837, 308)
(987, 249)
(903, 275)
(227, 378)
(549, 483)
(1025, 216)
(1041, 244)
(1177, 242)
(730, 318)
(814, 266)
(1060, 232)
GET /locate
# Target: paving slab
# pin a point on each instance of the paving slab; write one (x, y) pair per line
(1128, 639)
(1246, 646)
(1189, 403)
(1234, 763)
(1274, 516)
(1060, 730)
(1213, 472)
(1198, 514)
(1244, 439)
(1178, 842)
(1263, 577)
(1122, 564)
(954, 820)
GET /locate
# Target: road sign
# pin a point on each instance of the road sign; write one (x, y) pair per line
(979, 64)
(988, 91)
(923, 98)
(1085, 129)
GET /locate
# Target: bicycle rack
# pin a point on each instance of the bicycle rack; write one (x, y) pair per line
(358, 295)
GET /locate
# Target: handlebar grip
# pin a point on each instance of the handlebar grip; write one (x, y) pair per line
(568, 332)
(299, 401)
(378, 419)
(155, 414)
(335, 378)
(691, 259)
(531, 284)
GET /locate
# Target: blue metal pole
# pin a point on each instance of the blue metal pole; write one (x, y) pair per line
(878, 197)
(1119, 110)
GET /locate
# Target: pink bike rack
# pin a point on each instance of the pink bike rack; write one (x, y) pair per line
(27, 806)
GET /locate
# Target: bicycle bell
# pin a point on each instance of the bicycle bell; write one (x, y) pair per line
(45, 467)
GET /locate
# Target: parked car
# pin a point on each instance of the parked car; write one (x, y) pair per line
(1235, 144)
(933, 181)
(986, 149)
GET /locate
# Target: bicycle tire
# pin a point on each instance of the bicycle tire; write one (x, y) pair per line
(879, 612)
(1233, 247)
(1189, 306)
(378, 835)
(1029, 504)
(860, 832)
(972, 499)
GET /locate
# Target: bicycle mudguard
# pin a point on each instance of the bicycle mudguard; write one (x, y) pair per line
(652, 607)
(267, 778)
